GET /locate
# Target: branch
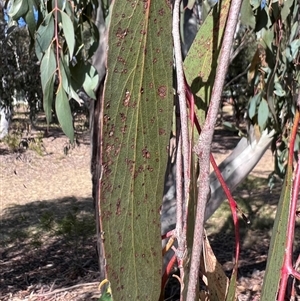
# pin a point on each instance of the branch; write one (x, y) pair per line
(183, 152)
(202, 149)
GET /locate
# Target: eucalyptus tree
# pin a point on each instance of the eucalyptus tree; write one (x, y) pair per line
(138, 107)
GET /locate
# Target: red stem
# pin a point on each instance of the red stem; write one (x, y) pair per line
(232, 202)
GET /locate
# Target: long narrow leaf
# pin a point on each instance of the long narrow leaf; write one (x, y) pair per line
(278, 241)
(137, 115)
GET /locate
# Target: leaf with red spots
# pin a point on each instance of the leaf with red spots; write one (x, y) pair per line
(201, 61)
(137, 117)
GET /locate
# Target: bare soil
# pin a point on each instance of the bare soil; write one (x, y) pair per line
(47, 209)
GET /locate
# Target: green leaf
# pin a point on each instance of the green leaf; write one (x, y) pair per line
(230, 127)
(201, 61)
(253, 104)
(18, 9)
(267, 38)
(277, 247)
(295, 47)
(66, 80)
(231, 295)
(48, 98)
(68, 32)
(286, 10)
(44, 36)
(91, 82)
(30, 21)
(190, 4)
(278, 90)
(78, 73)
(48, 66)
(293, 31)
(138, 106)
(263, 114)
(247, 15)
(255, 3)
(63, 111)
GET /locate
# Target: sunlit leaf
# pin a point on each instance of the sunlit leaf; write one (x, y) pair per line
(18, 9)
(255, 63)
(267, 38)
(295, 48)
(278, 90)
(255, 3)
(106, 294)
(263, 114)
(68, 29)
(277, 247)
(253, 104)
(64, 115)
(286, 10)
(191, 4)
(91, 82)
(217, 281)
(293, 31)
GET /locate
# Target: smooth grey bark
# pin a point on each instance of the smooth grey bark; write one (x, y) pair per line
(234, 169)
(99, 62)
(5, 118)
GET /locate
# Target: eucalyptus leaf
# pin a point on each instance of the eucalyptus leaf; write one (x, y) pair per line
(48, 98)
(253, 104)
(247, 15)
(66, 81)
(255, 4)
(138, 110)
(63, 112)
(91, 82)
(263, 114)
(295, 47)
(278, 244)
(68, 29)
(293, 31)
(31, 22)
(278, 90)
(268, 38)
(19, 9)
(191, 4)
(48, 66)
(65, 78)
(286, 10)
(44, 35)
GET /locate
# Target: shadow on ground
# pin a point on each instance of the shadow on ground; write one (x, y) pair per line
(49, 242)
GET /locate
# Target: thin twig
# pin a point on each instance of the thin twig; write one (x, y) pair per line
(181, 96)
(183, 153)
(203, 146)
(60, 290)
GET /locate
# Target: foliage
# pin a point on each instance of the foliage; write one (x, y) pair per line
(19, 68)
(136, 120)
(274, 72)
(59, 32)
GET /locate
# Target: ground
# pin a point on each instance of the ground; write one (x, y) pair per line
(47, 241)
